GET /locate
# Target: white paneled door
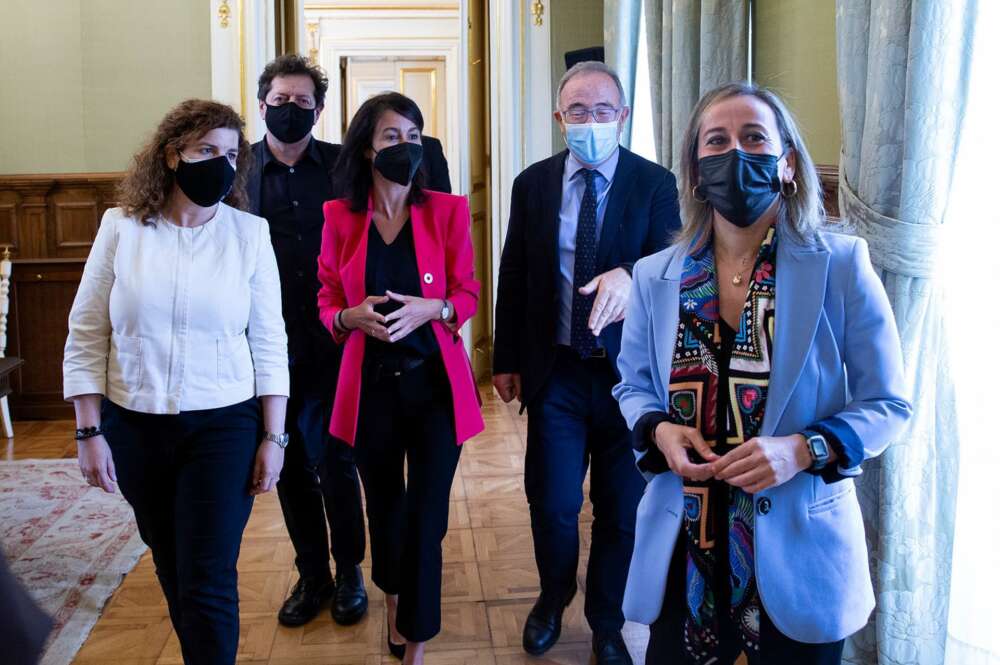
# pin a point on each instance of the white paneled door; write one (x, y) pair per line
(421, 79)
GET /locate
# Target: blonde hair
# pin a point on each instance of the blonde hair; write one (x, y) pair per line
(801, 213)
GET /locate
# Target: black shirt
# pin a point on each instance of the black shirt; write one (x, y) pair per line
(393, 267)
(722, 401)
(291, 199)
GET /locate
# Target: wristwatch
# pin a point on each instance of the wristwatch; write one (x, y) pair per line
(280, 440)
(446, 311)
(818, 448)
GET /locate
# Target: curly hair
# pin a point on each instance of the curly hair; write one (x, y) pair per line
(145, 190)
(292, 64)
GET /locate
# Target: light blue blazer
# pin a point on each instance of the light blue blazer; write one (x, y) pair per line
(836, 353)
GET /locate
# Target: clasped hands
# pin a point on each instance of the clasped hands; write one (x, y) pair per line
(612, 290)
(753, 466)
(396, 325)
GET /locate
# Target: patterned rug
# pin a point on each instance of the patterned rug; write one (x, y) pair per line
(69, 544)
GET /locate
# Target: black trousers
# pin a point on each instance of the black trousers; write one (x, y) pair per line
(666, 634)
(187, 477)
(409, 417)
(319, 487)
(572, 423)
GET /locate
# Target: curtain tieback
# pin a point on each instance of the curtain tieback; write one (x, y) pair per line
(900, 247)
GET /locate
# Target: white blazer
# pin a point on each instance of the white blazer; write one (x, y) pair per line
(836, 354)
(170, 319)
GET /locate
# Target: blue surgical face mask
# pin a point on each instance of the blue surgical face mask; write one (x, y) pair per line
(592, 142)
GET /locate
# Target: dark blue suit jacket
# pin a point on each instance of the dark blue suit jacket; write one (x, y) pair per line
(641, 216)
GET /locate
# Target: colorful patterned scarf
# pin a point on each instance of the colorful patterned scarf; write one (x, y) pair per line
(694, 392)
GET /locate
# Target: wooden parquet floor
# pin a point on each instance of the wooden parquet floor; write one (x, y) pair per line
(490, 580)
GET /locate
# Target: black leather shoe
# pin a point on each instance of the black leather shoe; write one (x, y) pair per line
(610, 649)
(305, 601)
(544, 623)
(350, 601)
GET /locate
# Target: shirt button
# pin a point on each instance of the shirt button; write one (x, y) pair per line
(298, 236)
(295, 203)
(299, 273)
(291, 169)
(763, 505)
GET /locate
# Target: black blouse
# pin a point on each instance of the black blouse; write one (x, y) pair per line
(722, 409)
(393, 267)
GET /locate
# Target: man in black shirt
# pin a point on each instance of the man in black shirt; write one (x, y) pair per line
(291, 178)
(293, 175)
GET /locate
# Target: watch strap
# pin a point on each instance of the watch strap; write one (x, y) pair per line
(280, 440)
(818, 462)
(84, 433)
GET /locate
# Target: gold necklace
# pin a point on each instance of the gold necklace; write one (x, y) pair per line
(738, 277)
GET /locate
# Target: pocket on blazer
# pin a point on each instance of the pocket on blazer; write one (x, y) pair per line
(125, 361)
(234, 361)
(831, 501)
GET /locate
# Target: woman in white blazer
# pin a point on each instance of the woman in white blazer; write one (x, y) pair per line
(760, 367)
(176, 358)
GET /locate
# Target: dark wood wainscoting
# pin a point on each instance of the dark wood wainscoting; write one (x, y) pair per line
(829, 179)
(49, 222)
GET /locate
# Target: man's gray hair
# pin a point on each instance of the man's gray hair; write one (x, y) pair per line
(590, 66)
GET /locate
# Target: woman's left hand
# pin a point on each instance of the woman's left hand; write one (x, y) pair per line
(267, 468)
(415, 312)
(763, 462)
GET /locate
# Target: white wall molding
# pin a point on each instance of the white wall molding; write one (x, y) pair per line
(398, 32)
(539, 102)
(241, 46)
(522, 103)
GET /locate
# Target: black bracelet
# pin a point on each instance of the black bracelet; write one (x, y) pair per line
(338, 323)
(88, 433)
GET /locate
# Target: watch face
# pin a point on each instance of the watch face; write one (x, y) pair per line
(818, 448)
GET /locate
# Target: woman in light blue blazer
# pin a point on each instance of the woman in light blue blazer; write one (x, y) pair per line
(760, 367)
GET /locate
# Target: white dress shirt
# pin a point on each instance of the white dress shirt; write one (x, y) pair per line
(170, 319)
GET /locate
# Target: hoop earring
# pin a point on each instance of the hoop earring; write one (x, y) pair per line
(784, 190)
(694, 195)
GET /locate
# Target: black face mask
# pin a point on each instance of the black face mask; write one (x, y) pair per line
(206, 182)
(399, 163)
(739, 185)
(289, 123)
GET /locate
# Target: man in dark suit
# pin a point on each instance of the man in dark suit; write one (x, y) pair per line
(293, 175)
(578, 222)
(435, 165)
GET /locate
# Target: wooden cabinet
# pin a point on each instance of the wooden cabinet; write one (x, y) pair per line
(49, 222)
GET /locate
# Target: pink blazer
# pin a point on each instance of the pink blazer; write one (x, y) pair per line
(444, 258)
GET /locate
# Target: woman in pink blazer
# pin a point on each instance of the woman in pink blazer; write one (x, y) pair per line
(396, 269)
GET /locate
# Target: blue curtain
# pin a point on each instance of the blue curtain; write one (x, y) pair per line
(902, 69)
(693, 46)
(621, 41)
